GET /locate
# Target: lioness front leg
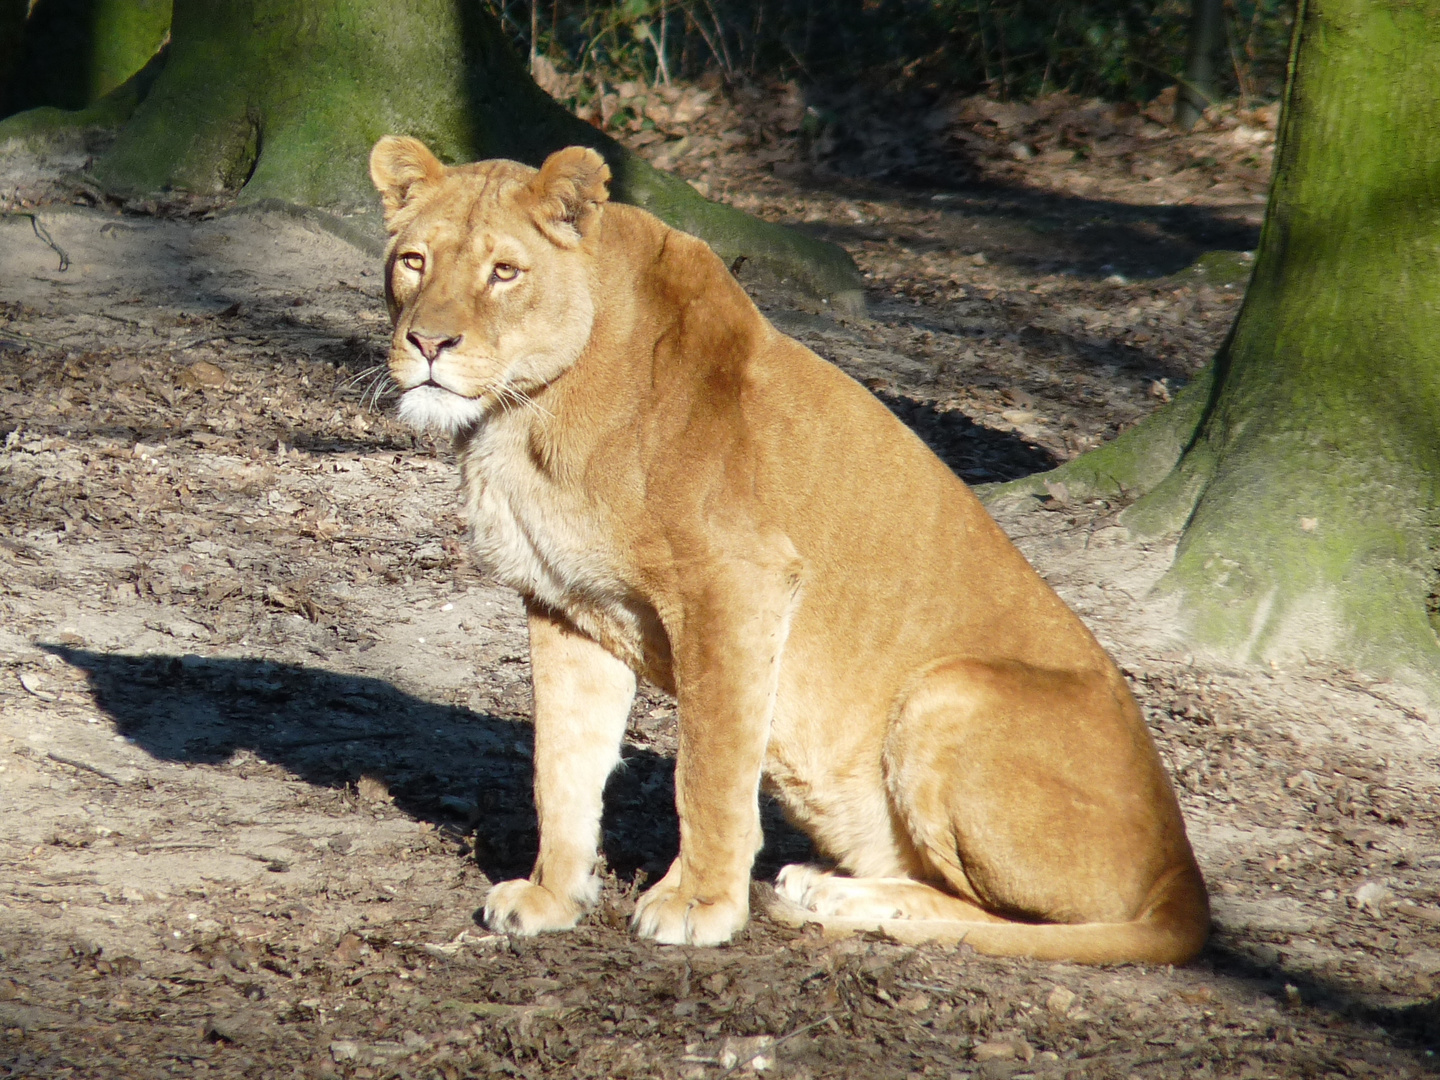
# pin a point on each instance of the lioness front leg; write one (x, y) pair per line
(582, 700)
(727, 661)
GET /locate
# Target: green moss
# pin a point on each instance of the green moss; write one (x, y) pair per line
(111, 111)
(126, 34)
(1334, 565)
(283, 102)
(1130, 465)
(1220, 268)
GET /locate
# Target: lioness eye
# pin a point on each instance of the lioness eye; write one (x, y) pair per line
(505, 272)
(413, 261)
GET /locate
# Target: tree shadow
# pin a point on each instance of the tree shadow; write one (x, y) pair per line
(58, 43)
(1414, 1028)
(462, 770)
(1093, 238)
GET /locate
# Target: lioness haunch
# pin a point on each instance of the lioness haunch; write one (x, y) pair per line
(683, 493)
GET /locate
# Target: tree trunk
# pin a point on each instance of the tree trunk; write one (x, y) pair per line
(1302, 469)
(282, 99)
(1201, 86)
(70, 53)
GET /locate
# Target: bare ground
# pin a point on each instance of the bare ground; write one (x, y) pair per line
(263, 727)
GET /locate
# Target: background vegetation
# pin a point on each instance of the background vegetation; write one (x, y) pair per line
(68, 53)
(1115, 49)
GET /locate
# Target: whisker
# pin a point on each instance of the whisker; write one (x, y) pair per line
(506, 396)
(359, 376)
(374, 383)
(525, 400)
(368, 391)
(514, 396)
(378, 388)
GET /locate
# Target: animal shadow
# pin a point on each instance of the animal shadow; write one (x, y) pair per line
(467, 772)
(975, 453)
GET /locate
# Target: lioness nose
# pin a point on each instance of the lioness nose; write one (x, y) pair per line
(431, 347)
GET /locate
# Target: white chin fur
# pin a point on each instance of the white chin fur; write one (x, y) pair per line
(429, 408)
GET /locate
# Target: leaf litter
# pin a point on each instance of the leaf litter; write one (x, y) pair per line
(263, 725)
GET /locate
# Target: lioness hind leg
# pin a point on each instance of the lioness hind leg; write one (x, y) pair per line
(1035, 793)
(828, 893)
(582, 699)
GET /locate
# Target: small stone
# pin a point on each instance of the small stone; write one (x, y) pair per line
(1060, 1000)
(202, 373)
(461, 808)
(239, 1028)
(1003, 1050)
(1058, 491)
(349, 949)
(756, 1053)
(993, 1051)
(1371, 896)
(36, 685)
(372, 789)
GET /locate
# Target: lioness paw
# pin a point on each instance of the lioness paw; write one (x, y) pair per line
(798, 883)
(826, 893)
(522, 907)
(666, 915)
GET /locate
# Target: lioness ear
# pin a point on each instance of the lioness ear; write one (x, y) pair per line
(399, 167)
(569, 191)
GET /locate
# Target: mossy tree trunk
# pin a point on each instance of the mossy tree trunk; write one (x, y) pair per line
(1302, 470)
(68, 54)
(282, 99)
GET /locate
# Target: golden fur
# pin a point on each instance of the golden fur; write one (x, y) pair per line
(681, 492)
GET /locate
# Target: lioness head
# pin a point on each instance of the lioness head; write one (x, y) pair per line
(488, 275)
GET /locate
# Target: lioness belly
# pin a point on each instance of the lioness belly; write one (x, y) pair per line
(825, 763)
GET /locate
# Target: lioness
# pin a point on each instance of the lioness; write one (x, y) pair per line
(683, 493)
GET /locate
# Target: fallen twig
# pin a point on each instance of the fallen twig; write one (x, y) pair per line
(43, 234)
(86, 768)
(26, 339)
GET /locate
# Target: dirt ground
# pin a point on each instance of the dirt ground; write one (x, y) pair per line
(264, 733)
